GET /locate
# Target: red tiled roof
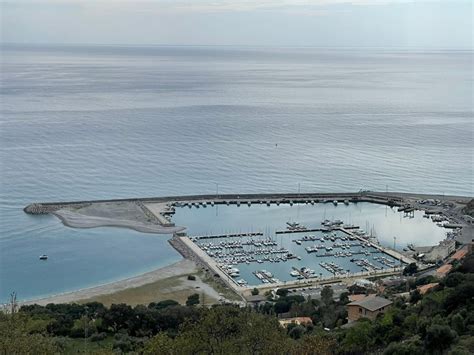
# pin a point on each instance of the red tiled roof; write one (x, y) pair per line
(461, 253)
(443, 270)
(425, 288)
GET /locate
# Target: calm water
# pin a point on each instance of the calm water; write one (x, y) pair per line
(110, 122)
(382, 221)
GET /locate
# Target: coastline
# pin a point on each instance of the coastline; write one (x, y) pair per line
(182, 267)
(78, 220)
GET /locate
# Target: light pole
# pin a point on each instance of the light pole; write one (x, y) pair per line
(217, 189)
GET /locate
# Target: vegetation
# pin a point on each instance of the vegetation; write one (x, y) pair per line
(439, 322)
(193, 300)
(410, 269)
(469, 208)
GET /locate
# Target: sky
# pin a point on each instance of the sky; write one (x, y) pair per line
(333, 23)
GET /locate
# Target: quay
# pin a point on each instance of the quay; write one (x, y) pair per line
(391, 199)
(306, 230)
(393, 253)
(236, 235)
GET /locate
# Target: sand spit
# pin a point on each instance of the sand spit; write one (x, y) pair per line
(76, 219)
(183, 267)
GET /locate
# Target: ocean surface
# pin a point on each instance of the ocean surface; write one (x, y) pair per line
(114, 122)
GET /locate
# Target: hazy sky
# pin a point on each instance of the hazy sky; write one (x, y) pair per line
(355, 23)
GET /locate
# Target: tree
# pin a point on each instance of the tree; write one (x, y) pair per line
(255, 291)
(192, 300)
(15, 339)
(314, 344)
(327, 295)
(297, 331)
(281, 306)
(439, 338)
(457, 322)
(453, 279)
(230, 330)
(410, 269)
(344, 298)
(359, 338)
(282, 292)
(408, 348)
(415, 296)
(118, 317)
(160, 344)
(163, 304)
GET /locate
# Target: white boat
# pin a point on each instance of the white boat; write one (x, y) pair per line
(294, 273)
(43, 257)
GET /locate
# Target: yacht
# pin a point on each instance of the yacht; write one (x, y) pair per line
(43, 257)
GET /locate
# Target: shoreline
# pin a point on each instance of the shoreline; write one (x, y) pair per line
(179, 268)
(77, 220)
(152, 215)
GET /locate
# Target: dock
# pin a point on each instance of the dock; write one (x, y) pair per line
(235, 235)
(393, 253)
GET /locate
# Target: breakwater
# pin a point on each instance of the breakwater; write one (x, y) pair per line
(392, 199)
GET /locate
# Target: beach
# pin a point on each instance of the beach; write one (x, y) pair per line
(180, 268)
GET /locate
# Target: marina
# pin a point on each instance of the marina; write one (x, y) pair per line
(291, 243)
(282, 240)
(339, 254)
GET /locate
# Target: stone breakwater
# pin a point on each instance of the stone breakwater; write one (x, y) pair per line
(40, 208)
(189, 254)
(391, 198)
(147, 212)
(186, 252)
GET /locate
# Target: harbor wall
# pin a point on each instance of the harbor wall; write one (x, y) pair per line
(382, 198)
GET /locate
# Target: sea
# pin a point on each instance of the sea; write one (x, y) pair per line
(100, 122)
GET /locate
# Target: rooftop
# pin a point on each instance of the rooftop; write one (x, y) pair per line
(443, 270)
(357, 297)
(371, 303)
(425, 288)
(459, 254)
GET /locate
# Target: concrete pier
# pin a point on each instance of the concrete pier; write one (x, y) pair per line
(393, 253)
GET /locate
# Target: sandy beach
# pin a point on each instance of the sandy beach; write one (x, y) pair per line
(180, 268)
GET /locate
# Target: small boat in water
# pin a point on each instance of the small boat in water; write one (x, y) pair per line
(43, 257)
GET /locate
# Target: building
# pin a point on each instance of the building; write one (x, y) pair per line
(367, 307)
(443, 270)
(460, 254)
(357, 297)
(438, 252)
(426, 288)
(284, 322)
